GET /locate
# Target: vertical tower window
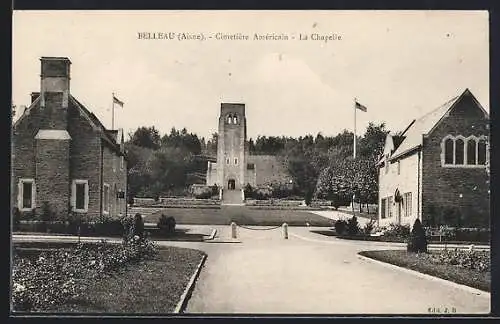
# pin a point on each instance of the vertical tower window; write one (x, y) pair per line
(236, 161)
(235, 119)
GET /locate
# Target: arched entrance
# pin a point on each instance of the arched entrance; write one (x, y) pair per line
(231, 184)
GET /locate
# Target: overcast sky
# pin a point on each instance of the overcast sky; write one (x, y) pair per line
(398, 64)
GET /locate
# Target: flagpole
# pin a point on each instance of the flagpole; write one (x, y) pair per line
(354, 151)
(113, 111)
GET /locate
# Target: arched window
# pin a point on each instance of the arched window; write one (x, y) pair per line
(235, 119)
(471, 151)
(481, 152)
(459, 151)
(229, 119)
(448, 151)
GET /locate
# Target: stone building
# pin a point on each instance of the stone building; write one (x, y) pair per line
(63, 155)
(435, 170)
(235, 167)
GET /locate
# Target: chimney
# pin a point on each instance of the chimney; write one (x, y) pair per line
(34, 96)
(55, 76)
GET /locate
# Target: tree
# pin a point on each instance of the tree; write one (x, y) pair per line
(146, 137)
(211, 147)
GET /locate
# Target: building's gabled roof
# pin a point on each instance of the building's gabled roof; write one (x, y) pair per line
(413, 134)
(108, 136)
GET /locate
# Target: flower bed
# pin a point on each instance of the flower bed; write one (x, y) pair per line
(471, 268)
(48, 278)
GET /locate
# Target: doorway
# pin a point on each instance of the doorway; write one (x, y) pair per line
(231, 184)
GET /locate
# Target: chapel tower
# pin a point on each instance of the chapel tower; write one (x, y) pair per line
(231, 147)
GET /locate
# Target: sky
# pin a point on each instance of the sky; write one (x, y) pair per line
(399, 64)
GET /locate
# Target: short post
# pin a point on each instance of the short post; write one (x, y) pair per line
(233, 230)
(285, 231)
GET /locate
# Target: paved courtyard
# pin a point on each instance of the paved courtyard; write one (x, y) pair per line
(310, 273)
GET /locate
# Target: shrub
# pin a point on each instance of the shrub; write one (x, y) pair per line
(128, 227)
(353, 226)
(472, 235)
(138, 225)
(369, 227)
(215, 190)
(166, 224)
(340, 226)
(109, 227)
(397, 231)
(417, 241)
(249, 191)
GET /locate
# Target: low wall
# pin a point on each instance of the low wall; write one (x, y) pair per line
(174, 201)
(273, 202)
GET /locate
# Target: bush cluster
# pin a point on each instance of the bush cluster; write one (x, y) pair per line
(350, 227)
(340, 226)
(57, 276)
(397, 231)
(166, 224)
(467, 259)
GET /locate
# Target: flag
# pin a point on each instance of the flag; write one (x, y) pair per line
(360, 107)
(117, 101)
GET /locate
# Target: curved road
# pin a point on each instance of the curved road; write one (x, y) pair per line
(309, 273)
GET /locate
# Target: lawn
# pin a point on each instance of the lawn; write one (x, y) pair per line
(392, 239)
(149, 286)
(426, 263)
(241, 215)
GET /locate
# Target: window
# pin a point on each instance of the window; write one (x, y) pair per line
(122, 162)
(80, 195)
(105, 198)
(26, 195)
(407, 204)
(399, 167)
(229, 119)
(383, 208)
(448, 151)
(459, 151)
(481, 152)
(389, 207)
(236, 161)
(227, 161)
(471, 151)
(235, 120)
